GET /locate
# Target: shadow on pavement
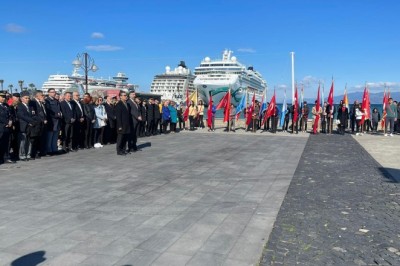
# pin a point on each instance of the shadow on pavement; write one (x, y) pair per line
(144, 145)
(391, 173)
(31, 259)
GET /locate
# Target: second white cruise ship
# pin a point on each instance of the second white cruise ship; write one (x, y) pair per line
(217, 76)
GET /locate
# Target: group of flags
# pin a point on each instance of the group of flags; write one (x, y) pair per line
(270, 110)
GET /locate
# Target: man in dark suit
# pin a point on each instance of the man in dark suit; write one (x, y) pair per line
(38, 144)
(123, 119)
(26, 121)
(136, 117)
(69, 117)
(54, 116)
(109, 132)
(5, 128)
(150, 117)
(79, 125)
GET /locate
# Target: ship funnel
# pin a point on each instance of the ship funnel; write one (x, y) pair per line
(182, 64)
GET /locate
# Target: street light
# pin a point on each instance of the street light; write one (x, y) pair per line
(20, 83)
(1, 83)
(88, 65)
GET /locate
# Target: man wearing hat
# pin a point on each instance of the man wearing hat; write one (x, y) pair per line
(5, 125)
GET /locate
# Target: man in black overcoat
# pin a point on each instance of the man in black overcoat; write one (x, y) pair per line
(123, 119)
(69, 118)
(136, 117)
(79, 125)
(150, 117)
(110, 132)
(38, 137)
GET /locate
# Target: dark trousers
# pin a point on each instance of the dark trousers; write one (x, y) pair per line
(67, 136)
(88, 141)
(121, 142)
(78, 138)
(191, 121)
(367, 125)
(323, 124)
(109, 134)
(142, 128)
(165, 125)
(329, 121)
(133, 136)
(98, 135)
(4, 142)
(274, 124)
(201, 122)
(285, 123)
(172, 127)
(341, 128)
(150, 127)
(352, 123)
(304, 123)
(181, 121)
(35, 146)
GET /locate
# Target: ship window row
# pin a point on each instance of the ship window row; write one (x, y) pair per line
(207, 65)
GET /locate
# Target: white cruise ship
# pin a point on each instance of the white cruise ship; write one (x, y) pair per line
(172, 85)
(97, 86)
(62, 83)
(217, 76)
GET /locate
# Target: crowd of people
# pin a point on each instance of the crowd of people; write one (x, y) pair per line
(38, 124)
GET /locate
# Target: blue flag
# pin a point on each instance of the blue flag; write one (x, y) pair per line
(284, 108)
(242, 104)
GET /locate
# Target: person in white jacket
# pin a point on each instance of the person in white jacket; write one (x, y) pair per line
(359, 115)
(100, 123)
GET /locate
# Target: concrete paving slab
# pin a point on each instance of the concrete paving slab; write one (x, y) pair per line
(187, 198)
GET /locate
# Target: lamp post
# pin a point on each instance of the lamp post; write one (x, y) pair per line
(20, 83)
(1, 83)
(87, 65)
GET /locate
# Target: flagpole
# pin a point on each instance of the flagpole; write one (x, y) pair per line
(292, 53)
(229, 118)
(245, 117)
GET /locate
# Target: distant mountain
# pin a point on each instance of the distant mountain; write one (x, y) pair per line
(376, 98)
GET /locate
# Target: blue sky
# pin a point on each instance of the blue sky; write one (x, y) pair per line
(354, 41)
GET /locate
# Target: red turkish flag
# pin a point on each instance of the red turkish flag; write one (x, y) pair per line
(271, 109)
(295, 107)
(250, 110)
(317, 106)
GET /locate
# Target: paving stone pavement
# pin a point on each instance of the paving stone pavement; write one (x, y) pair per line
(385, 151)
(341, 208)
(191, 198)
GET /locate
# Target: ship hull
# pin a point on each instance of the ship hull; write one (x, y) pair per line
(219, 90)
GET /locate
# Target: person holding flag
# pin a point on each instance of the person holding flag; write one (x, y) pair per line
(211, 115)
(295, 113)
(226, 104)
(231, 123)
(343, 116)
(330, 110)
(316, 111)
